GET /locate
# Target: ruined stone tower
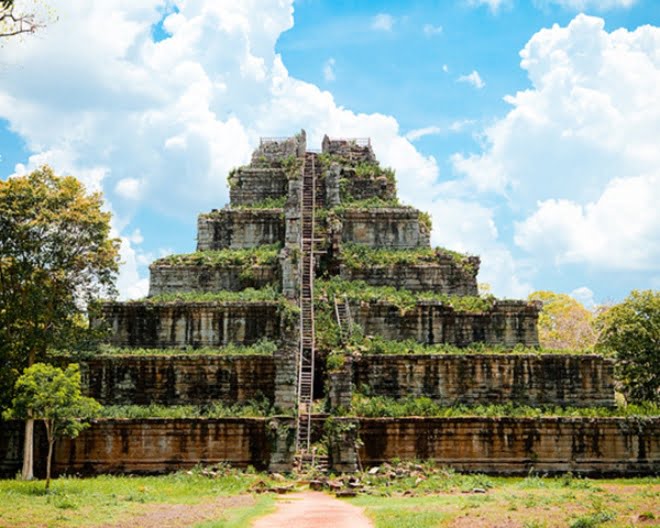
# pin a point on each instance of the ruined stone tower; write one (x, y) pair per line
(314, 286)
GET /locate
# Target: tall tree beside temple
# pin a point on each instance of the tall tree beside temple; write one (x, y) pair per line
(56, 256)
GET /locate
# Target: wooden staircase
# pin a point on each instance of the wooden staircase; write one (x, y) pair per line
(306, 301)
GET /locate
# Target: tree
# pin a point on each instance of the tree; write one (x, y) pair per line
(53, 395)
(564, 322)
(56, 256)
(631, 331)
(13, 22)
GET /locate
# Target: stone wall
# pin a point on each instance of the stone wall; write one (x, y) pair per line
(179, 278)
(352, 150)
(277, 149)
(178, 380)
(251, 185)
(396, 228)
(365, 188)
(199, 324)
(564, 380)
(508, 323)
(445, 277)
(239, 228)
(154, 445)
(515, 446)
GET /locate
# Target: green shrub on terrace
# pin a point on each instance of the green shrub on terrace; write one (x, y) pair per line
(368, 203)
(268, 293)
(373, 171)
(380, 406)
(359, 256)
(377, 345)
(404, 299)
(263, 347)
(259, 256)
(252, 409)
(266, 203)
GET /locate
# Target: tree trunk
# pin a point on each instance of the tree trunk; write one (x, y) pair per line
(27, 472)
(28, 451)
(51, 443)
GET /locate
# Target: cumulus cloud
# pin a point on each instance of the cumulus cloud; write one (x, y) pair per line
(430, 30)
(329, 70)
(158, 125)
(577, 155)
(419, 133)
(493, 5)
(585, 296)
(474, 79)
(383, 22)
(581, 5)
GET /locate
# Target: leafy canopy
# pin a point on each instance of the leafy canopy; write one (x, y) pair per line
(48, 393)
(564, 323)
(56, 256)
(631, 330)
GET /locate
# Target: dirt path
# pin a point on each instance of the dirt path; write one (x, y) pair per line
(178, 515)
(313, 509)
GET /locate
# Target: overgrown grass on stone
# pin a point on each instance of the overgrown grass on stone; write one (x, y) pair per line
(405, 300)
(381, 407)
(259, 256)
(263, 347)
(253, 409)
(268, 293)
(359, 256)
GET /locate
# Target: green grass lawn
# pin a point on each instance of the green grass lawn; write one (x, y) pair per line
(225, 500)
(222, 501)
(516, 502)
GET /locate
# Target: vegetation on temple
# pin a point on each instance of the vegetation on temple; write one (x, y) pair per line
(263, 347)
(360, 291)
(259, 256)
(269, 293)
(360, 256)
(252, 409)
(382, 406)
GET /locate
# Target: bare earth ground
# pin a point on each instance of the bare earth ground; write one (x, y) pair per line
(313, 509)
(178, 515)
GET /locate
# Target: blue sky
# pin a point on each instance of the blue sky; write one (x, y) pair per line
(527, 128)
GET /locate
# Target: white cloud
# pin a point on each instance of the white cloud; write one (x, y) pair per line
(159, 125)
(418, 133)
(493, 5)
(445, 68)
(581, 5)
(383, 22)
(430, 30)
(474, 79)
(585, 296)
(577, 155)
(129, 188)
(329, 70)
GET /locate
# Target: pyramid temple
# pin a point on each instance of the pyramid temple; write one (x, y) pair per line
(312, 299)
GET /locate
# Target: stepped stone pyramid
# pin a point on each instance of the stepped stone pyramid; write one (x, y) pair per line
(313, 255)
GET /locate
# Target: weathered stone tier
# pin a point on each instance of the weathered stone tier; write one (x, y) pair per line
(515, 446)
(251, 185)
(198, 324)
(365, 188)
(391, 227)
(180, 278)
(178, 380)
(239, 228)
(444, 277)
(148, 446)
(507, 323)
(481, 379)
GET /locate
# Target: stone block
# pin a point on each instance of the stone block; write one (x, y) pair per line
(239, 228)
(392, 227)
